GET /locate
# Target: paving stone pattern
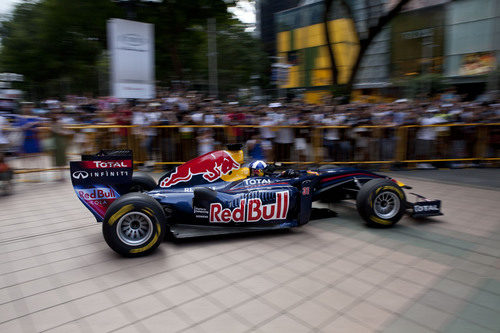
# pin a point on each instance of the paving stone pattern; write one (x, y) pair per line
(332, 275)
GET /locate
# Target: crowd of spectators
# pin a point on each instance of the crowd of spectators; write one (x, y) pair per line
(288, 137)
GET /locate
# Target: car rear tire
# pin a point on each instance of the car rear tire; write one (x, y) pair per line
(381, 203)
(142, 182)
(134, 225)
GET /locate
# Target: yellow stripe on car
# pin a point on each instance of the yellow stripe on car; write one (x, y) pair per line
(400, 184)
(378, 220)
(148, 211)
(119, 213)
(147, 247)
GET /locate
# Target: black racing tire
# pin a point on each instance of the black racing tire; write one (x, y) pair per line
(381, 203)
(134, 225)
(142, 182)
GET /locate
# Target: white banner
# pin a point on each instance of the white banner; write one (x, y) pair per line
(131, 45)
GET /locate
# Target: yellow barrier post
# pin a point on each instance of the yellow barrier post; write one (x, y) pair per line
(482, 139)
(317, 146)
(402, 142)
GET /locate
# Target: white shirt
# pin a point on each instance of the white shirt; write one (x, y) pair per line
(205, 145)
(209, 119)
(332, 133)
(149, 119)
(197, 117)
(266, 132)
(284, 134)
(427, 133)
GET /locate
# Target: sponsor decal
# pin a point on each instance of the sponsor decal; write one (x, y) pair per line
(425, 208)
(200, 212)
(97, 193)
(211, 166)
(257, 181)
(80, 174)
(107, 164)
(251, 211)
(190, 189)
(97, 199)
(108, 173)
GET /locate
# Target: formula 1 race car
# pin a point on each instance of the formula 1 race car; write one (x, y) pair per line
(215, 194)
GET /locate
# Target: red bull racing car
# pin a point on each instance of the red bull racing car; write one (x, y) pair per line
(216, 194)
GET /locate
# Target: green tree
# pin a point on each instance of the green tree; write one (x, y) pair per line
(240, 56)
(58, 45)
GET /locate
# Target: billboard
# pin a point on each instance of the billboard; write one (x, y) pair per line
(477, 63)
(131, 46)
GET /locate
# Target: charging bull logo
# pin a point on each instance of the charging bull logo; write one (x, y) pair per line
(212, 166)
(253, 211)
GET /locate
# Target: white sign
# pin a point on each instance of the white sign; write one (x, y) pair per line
(11, 77)
(131, 45)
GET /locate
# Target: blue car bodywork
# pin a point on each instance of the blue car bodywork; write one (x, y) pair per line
(213, 193)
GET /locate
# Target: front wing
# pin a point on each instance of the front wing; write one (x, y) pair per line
(424, 207)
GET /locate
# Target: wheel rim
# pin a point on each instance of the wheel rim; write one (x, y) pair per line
(134, 228)
(386, 205)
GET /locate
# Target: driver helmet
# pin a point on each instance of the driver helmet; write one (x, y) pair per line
(257, 168)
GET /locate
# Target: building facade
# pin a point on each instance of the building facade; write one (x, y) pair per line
(301, 43)
(472, 48)
(265, 24)
(457, 40)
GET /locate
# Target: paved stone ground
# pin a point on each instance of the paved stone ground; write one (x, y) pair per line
(332, 275)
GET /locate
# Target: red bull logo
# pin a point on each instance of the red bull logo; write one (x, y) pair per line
(211, 166)
(254, 211)
(97, 193)
(97, 199)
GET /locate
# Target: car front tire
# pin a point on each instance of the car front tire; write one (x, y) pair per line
(381, 203)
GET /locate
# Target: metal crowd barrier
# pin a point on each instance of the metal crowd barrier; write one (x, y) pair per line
(341, 145)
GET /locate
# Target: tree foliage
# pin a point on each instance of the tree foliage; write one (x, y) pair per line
(58, 45)
(240, 56)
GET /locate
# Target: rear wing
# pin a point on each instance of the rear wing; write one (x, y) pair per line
(100, 179)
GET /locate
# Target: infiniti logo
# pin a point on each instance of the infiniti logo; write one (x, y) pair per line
(80, 174)
(132, 39)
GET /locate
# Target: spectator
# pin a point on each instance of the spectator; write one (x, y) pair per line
(205, 141)
(267, 134)
(255, 148)
(58, 135)
(284, 136)
(30, 148)
(151, 118)
(4, 141)
(426, 137)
